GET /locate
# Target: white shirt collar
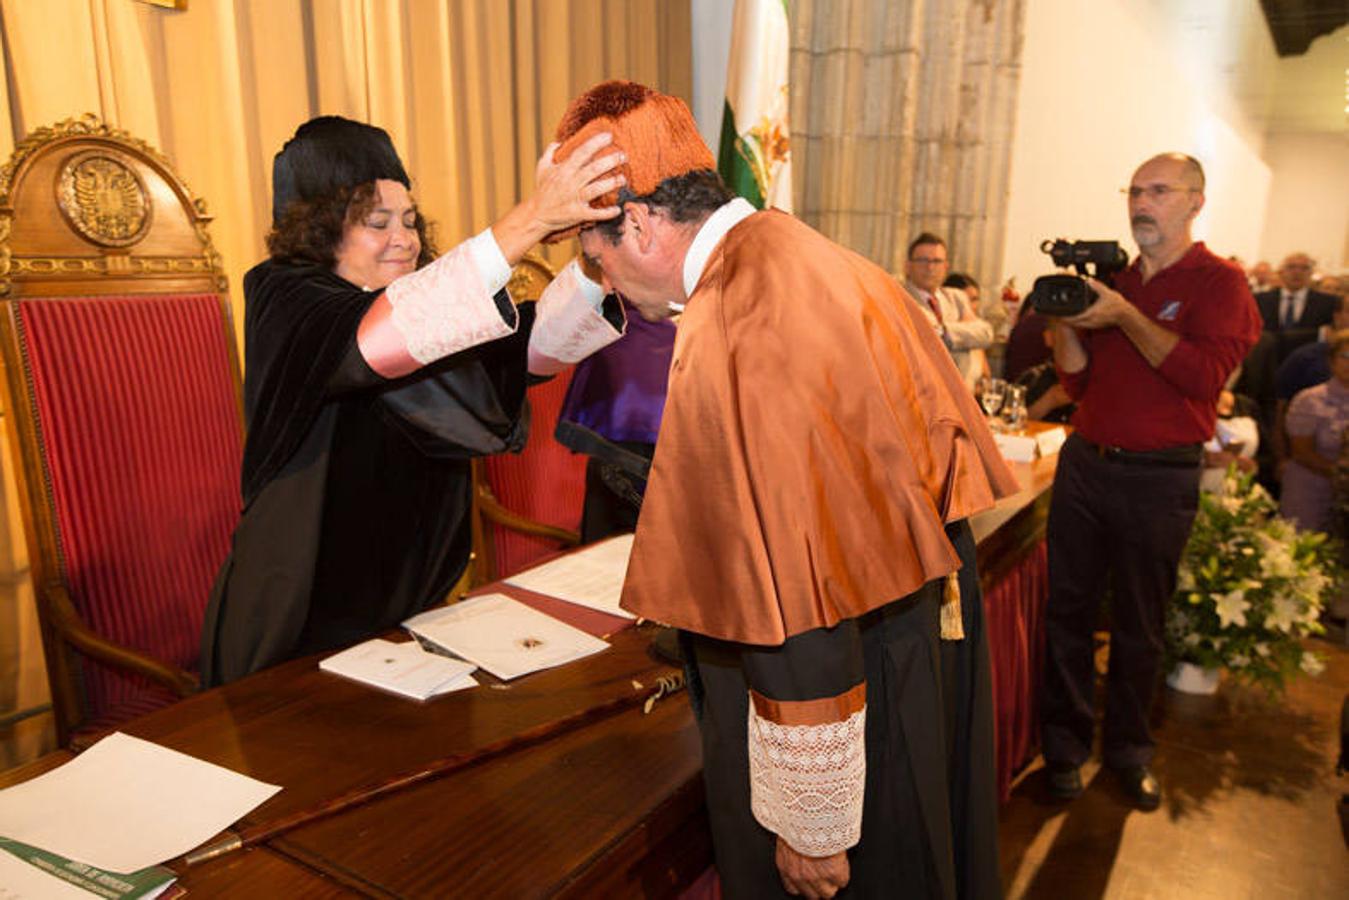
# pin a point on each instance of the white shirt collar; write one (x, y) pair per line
(918, 292)
(727, 216)
(1295, 296)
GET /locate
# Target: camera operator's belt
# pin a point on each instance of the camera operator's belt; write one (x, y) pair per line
(1186, 456)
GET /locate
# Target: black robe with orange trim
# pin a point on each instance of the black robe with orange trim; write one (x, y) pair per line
(817, 445)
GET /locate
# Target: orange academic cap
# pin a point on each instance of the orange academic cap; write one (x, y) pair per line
(656, 131)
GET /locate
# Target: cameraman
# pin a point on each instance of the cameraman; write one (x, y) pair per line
(1145, 364)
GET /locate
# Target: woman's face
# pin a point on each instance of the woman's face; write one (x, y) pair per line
(1339, 364)
(385, 244)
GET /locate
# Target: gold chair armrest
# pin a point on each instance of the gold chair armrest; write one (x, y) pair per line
(500, 515)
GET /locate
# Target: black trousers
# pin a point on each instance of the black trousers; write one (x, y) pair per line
(1123, 525)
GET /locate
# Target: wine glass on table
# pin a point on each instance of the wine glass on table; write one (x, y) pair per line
(1014, 408)
(991, 393)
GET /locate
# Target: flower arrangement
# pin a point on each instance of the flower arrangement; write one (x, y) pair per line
(1250, 587)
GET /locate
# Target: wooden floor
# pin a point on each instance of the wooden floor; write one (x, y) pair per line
(1249, 809)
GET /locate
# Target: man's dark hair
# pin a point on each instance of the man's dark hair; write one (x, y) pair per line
(311, 230)
(959, 280)
(684, 198)
(926, 237)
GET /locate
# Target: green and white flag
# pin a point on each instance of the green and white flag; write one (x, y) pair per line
(755, 157)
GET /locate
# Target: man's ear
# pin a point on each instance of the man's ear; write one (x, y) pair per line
(638, 220)
(1197, 204)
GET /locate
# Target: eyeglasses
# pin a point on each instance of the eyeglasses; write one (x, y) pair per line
(926, 261)
(1156, 191)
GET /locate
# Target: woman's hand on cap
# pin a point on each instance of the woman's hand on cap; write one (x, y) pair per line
(562, 195)
(563, 191)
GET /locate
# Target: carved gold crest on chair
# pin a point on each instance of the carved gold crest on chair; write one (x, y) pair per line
(103, 198)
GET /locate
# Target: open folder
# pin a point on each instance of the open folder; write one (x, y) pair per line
(503, 635)
(404, 669)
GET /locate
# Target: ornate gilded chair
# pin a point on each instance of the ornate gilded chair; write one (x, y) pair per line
(123, 412)
(528, 504)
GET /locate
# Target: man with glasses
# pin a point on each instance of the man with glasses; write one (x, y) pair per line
(1145, 364)
(1295, 309)
(948, 309)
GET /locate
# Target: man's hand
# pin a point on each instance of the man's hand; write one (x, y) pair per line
(1110, 309)
(812, 876)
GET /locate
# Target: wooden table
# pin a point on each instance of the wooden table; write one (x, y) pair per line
(590, 799)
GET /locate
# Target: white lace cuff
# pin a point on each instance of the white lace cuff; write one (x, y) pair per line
(568, 324)
(448, 305)
(807, 781)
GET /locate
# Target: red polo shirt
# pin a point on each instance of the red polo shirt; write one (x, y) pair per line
(1125, 402)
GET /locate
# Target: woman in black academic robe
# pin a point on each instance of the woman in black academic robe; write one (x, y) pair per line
(362, 413)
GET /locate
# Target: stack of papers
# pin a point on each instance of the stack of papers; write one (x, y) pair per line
(404, 669)
(503, 635)
(121, 806)
(592, 577)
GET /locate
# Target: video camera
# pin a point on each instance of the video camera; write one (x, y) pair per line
(1068, 295)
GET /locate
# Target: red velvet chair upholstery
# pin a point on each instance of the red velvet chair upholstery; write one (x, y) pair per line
(529, 504)
(124, 414)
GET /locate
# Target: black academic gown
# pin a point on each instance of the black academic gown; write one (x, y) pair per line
(930, 815)
(356, 489)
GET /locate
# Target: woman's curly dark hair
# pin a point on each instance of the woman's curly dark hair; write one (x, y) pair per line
(311, 230)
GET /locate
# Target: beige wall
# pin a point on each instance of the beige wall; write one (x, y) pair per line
(1106, 86)
(1308, 199)
(1308, 151)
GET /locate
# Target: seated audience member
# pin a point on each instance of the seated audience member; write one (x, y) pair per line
(1334, 284)
(947, 309)
(374, 371)
(1046, 399)
(1026, 345)
(1307, 366)
(1261, 277)
(1291, 316)
(1236, 439)
(1316, 421)
(988, 307)
(966, 283)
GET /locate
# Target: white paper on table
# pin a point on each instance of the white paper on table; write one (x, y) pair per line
(1015, 447)
(405, 668)
(592, 577)
(503, 635)
(125, 804)
(1050, 440)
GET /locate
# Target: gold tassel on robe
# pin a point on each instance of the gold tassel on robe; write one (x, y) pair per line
(952, 627)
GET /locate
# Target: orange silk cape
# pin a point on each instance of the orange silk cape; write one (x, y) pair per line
(815, 440)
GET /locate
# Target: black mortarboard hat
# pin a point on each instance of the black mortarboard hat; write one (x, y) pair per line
(329, 153)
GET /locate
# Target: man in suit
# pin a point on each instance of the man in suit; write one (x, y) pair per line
(948, 310)
(1291, 316)
(1295, 311)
